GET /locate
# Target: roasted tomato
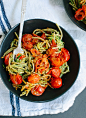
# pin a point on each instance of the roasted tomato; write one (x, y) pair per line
(35, 52)
(55, 72)
(84, 9)
(64, 55)
(61, 58)
(6, 59)
(27, 45)
(55, 61)
(38, 90)
(16, 79)
(51, 52)
(42, 64)
(26, 38)
(80, 14)
(53, 43)
(56, 82)
(43, 36)
(20, 56)
(33, 78)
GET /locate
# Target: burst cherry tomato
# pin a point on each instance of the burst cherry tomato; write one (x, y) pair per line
(35, 52)
(43, 36)
(26, 38)
(38, 90)
(53, 44)
(6, 59)
(61, 58)
(79, 14)
(27, 45)
(56, 82)
(16, 79)
(42, 64)
(64, 55)
(51, 52)
(33, 78)
(20, 56)
(55, 72)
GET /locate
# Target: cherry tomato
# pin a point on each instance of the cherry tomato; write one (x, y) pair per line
(55, 72)
(79, 14)
(20, 56)
(38, 90)
(64, 55)
(43, 36)
(55, 61)
(35, 52)
(16, 79)
(53, 44)
(35, 41)
(56, 82)
(42, 64)
(27, 45)
(51, 52)
(6, 59)
(33, 78)
(84, 9)
(26, 38)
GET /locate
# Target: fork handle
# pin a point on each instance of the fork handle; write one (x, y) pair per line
(23, 10)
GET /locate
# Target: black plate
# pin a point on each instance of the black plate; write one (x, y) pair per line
(74, 62)
(71, 14)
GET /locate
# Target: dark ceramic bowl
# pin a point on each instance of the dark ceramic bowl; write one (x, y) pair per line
(68, 79)
(71, 13)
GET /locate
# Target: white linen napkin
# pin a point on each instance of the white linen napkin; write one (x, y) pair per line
(46, 9)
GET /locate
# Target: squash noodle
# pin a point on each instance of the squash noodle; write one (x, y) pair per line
(26, 66)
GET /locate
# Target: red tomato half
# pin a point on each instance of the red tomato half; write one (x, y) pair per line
(35, 52)
(26, 38)
(53, 44)
(56, 82)
(16, 79)
(51, 52)
(6, 59)
(43, 36)
(64, 55)
(38, 90)
(55, 72)
(27, 45)
(79, 14)
(33, 78)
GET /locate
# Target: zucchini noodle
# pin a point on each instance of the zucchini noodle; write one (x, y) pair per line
(27, 65)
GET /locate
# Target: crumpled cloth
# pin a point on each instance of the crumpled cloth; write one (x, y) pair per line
(52, 10)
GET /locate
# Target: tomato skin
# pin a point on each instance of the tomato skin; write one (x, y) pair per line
(42, 64)
(64, 55)
(61, 58)
(21, 57)
(6, 59)
(79, 14)
(56, 82)
(51, 52)
(16, 79)
(35, 52)
(53, 44)
(43, 36)
(55, 72)
(38, 90)
(33, 78)
(55, 61)
(26, 38)
(27, 45)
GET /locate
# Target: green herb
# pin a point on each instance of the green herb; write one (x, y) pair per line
(3, 66)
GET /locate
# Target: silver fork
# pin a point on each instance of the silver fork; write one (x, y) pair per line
(23, 10)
